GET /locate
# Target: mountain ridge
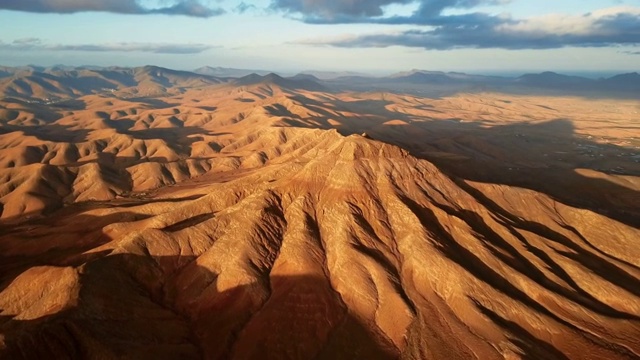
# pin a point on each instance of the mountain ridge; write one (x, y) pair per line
(258, 218)
(63, 83)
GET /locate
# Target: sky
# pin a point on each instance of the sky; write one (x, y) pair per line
(370, 36)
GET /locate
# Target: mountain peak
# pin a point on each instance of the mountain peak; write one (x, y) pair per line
(279, 81)
(303, 76)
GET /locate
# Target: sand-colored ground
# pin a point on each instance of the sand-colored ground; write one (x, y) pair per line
(258, 221)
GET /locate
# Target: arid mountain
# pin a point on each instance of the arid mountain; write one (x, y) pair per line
(551, 79)
(267, 217)
(299, 82)
(228, 72)
(615, 85)
(424, 76)
(436, 83)
(629, 82)
(57, 84)
(329, 75)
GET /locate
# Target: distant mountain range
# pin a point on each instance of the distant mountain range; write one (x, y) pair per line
(547, 79)
(63, 82)
(228, 72)
(551, 80)
(330, 75)
(422, 81)
(421, 76)
(232, 72)
(300, 81)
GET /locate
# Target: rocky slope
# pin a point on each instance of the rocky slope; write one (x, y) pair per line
(280, 237)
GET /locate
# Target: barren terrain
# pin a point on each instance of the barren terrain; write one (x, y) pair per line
(163, 214)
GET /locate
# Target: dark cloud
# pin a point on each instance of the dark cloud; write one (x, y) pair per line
(180, 7)
(430, 8)
(372, 11)
(37, 44)
(243, 7)
(607, 27)
(332, 10)
(439, 30)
